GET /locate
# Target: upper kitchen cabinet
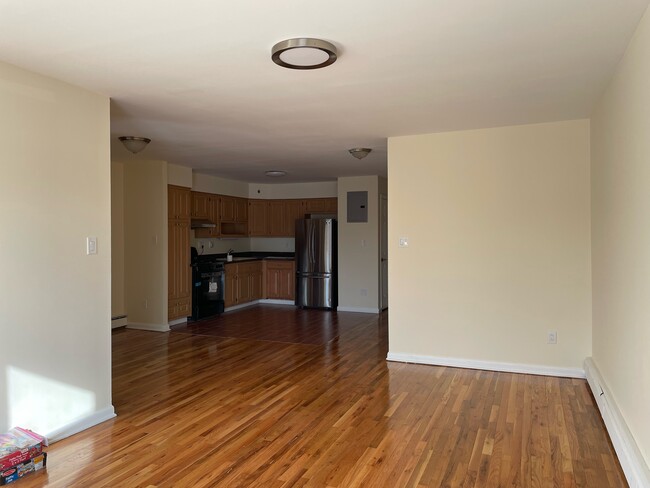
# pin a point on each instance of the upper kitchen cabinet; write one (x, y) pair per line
(234, 216)
(293, 210)
(320, 206)
(258, 214)
(206, 206)
(178, 203)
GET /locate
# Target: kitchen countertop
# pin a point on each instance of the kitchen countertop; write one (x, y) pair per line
(249, 256)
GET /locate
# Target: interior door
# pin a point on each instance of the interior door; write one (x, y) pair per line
(383, 252)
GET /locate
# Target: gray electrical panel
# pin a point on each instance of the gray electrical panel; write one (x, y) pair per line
(357, 206)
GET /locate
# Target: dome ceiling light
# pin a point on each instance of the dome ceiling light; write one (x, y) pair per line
(134, 144)
(303, 53)
(274, 173)
(360, 152)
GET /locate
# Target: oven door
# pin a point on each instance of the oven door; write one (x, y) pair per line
(208, 294)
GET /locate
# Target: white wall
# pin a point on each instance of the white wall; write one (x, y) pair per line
(145, 243)
(118, 297)
(293, 190)
(179, 175)
(55, 366)
(358, 249)
(498, 222)
(620, 147)
(222, 186)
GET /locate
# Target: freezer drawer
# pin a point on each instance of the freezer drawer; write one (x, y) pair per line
(315, 291)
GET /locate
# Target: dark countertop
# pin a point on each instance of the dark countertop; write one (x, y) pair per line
(238, 257)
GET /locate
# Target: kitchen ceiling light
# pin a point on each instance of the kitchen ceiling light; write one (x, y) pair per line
(274, 173)
(360, 152)
(134, 144)
(303, 53)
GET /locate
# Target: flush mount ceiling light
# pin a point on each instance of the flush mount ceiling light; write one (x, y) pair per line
(134, 144)
(274, 173)
(303, 53)
(360, 152)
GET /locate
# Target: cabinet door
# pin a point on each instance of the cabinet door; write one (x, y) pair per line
(201, 204)
(293, 210)
(280, 280)
(243, 287)
(227, 209)
(230, 292)
(276, 218)
(178, 202)
(320, 205)
(173, 238)
(184, 271)
(241, 209)
(257, 281)
(257, 218)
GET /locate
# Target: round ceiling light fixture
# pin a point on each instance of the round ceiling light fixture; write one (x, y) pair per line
(274, 173)
(360, 152)
(303, 53)
(134, 144)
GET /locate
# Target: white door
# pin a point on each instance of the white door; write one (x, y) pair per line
(383, 252)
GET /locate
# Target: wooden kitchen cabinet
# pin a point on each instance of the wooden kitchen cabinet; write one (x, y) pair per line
(280, 279)
(258, 215)
(206, 206)
(320, 205)
(179, 291)
(276, 216)
(233, 216)
(178, 202)
(243, 282)
(293, 210)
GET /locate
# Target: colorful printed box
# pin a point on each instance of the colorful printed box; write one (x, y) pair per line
(14, 473)
(19, 445)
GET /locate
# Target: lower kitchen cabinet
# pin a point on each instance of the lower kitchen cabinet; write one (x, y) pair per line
(280, 280)
(243, 282)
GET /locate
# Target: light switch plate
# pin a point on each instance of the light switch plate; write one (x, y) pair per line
(91, 245)
(403, 242)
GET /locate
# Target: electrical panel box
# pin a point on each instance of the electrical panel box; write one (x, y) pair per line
(357, 206)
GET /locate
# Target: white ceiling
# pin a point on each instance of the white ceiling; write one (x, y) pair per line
(196, 76)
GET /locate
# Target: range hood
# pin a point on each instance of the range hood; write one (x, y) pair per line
(202, 224)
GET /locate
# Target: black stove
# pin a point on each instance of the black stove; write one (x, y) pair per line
(208, 281)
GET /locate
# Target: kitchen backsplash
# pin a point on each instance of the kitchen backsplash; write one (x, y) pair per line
(243, 244)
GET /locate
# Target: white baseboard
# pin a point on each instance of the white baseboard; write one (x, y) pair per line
(82, 423)
(151, 327)
(488, 365)
(273, 301)
(119, 322)
(178, 321)
(357, 309)
(634, 466)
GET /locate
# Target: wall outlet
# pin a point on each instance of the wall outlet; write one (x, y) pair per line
(551, 337)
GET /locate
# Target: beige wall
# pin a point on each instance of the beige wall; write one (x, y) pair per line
(179, 175)
(293, 190)
(56, 300)
(358, 249)
(499, 244)
(145, 243)
(620, 146)
(118, 298)
(222, 186)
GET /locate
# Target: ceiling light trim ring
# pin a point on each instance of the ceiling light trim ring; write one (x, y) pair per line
(304, 43)
(134, 144)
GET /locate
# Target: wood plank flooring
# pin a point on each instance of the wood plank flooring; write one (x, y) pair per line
(201, 411)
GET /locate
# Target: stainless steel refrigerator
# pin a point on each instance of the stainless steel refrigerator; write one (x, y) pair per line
(316, 263)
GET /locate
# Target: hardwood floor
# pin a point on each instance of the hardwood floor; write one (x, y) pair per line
(200, 410)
